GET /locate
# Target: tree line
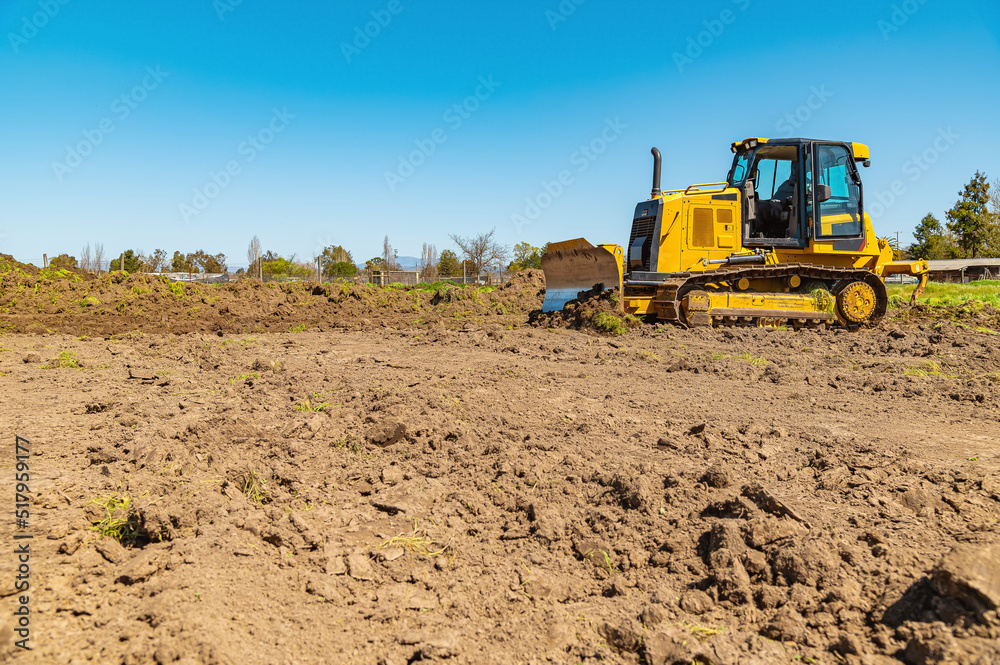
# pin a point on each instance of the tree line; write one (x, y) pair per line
(971, 229)
(475, 254)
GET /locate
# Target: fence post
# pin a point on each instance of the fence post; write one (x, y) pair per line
(319, 277)
(45, 260)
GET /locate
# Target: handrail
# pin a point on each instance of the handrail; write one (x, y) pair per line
(691, 188)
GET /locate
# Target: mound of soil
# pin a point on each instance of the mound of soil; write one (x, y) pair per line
(595, 310)
(62, 301)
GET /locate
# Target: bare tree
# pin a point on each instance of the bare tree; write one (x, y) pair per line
(482, 250)
(99, 257)
(86, 261)
(254, 255)
(428, 263)
(389, 255)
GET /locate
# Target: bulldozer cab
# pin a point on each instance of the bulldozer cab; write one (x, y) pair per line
(787, 182)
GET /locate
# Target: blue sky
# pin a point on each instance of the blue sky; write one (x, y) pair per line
(197, 125)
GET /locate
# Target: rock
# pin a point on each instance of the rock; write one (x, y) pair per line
(359, 566)
(111, 550)
(971, 574)
(408, 597)
(140, 569)
(730, 576)
(546, 587)
(786, 625)
(633, 492)
(550, 527)
(31, 358)
(726, 535)
(411, 497)
(431, 645)
(392, 475)
(652, 616)
(323, 586)
(386, 433)
(335, 563)
(696, 601)
(717, 477)
(72, 544)
(141, 373)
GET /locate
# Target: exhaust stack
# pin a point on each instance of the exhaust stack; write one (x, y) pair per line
(656, 173)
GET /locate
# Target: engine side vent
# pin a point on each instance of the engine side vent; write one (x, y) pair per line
(638, 258)
(703, 228)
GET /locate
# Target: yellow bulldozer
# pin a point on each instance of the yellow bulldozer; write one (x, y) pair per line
(785, 240)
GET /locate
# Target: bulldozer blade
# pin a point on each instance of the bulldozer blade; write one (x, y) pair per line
(575, 266)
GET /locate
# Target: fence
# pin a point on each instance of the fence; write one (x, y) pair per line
(411, 277)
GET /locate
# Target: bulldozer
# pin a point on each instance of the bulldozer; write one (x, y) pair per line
(783, 241)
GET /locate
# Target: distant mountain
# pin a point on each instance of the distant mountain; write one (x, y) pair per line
(408, 262)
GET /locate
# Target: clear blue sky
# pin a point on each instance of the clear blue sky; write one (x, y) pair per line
(115, 114)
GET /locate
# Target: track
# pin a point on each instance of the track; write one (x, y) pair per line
(670, 299)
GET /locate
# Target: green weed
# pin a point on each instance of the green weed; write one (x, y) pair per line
(254, 487)
(120, 520)
(416, 541)
(244, 377)
(603, 559)
(65, 360)
(609, 323)
(314, 404)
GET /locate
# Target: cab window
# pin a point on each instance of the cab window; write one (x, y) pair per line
(839, 215)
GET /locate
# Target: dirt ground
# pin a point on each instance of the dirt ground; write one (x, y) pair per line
(429, 477)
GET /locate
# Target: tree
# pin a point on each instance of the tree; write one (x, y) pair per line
(428, 263)
(180, 263)
(156, 261)
(969, 219)
(208, 263)
(281, 268)
(481, 250)
(133, 263)
(98, 257)
(335, 261)
(929, 239)
(63, 261)
(86, 260)
(448, 265)
(253, 257)
(389, 255)
(526, 256)
(992, 244)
